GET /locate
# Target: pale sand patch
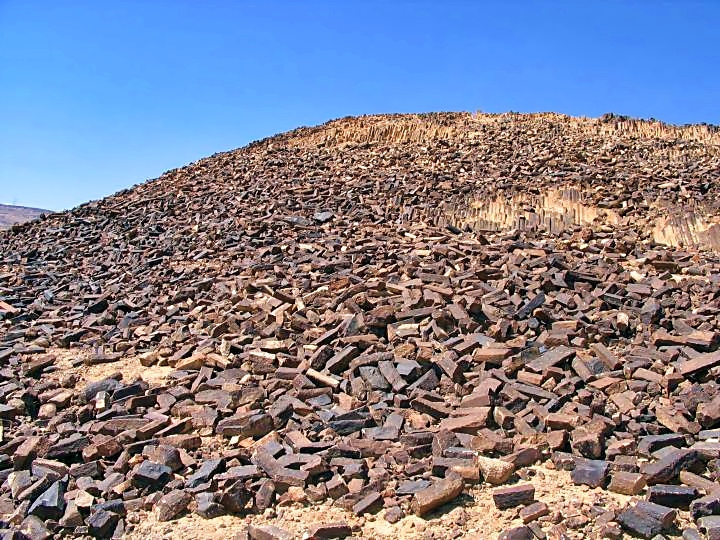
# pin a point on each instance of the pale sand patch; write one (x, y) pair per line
(130, 367)
(472, 516)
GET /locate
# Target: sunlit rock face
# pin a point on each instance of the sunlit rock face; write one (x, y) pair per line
(557, 210)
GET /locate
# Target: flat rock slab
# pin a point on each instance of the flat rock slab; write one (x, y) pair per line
(511, 496)
(326, 531)
(438, 493)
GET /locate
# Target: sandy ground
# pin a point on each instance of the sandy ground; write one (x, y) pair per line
(472, 516)
(130, 367)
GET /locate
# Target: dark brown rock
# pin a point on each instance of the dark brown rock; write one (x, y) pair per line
(322, 531)
(534, 511)
(172, 504)
(511, 496)
(667, 468)
(150, 474)
(672, 496)
(370, 503)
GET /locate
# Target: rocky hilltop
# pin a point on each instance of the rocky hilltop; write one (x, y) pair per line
(417, 326)
(10, 215)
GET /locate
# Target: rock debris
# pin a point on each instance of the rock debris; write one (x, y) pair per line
(347, 317)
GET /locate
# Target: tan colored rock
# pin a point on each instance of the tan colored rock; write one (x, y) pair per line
(495, 471)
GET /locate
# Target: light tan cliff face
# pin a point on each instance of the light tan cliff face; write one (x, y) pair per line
(455, 127)
(557, 210)
(661, 161)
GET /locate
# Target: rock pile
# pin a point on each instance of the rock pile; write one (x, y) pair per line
(335, 333)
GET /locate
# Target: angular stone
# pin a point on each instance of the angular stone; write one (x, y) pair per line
(666, 469)
(206, 506)
(517, 533)
(336, 487)
(710, 525)
(235, 497)
(166, 455)
(326, 531)
(708, 413)
(665, 515)
(650, 443)
(72, 516)
(467, 468)
(437, 494)
(265, 495)
(33, 528)
(475, 419)
(699, 482)
(172, 504)
(370, 503)
(205, 472)
(639, 523)
(19, 481)
(102, 523)
(68, 447)
(534, 511)
(708, 505)
(495, 471)
(590, 472)
(150, 474)
(509, 497)
(672, 496)
(675, 421)
(550, 359)
(700, 363)
(51, 504)
(627, 483)
(246, 425)
(587, 443)
(36, 488)
(27, 452)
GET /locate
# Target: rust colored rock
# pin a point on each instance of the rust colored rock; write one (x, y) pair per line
(627, 483)
(438, 493)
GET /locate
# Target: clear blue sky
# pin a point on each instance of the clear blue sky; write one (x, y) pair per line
(98, 95)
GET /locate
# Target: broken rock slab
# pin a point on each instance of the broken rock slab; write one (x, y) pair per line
(438, 493)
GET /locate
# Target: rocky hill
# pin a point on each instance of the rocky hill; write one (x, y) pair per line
(10, 215)
(417, 326)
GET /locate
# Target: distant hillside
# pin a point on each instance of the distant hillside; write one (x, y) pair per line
(17, 214)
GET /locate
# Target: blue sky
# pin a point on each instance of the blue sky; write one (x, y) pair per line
(96, 96)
